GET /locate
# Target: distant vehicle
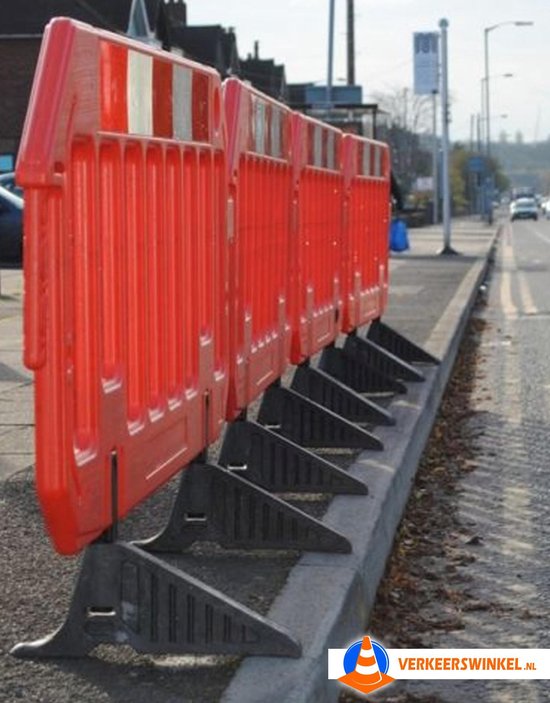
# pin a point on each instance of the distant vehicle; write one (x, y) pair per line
(523, 192)
(524, 209)
(11, 228)
(7, 181)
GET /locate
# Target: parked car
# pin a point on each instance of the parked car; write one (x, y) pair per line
(524, 209)
(7, 181)
(11, 228)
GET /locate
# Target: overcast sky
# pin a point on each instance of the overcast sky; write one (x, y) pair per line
(294, 32)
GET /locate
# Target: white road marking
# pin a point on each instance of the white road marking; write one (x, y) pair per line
(508, 265)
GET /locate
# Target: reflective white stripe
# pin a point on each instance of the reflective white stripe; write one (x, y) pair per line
(259, 126)
(139, 93)
(276, 132)
(366, 160)
(331, 161)
(318, 146)
(182, 103)
(367, 670)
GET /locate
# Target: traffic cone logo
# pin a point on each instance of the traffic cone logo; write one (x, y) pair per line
(366, 677)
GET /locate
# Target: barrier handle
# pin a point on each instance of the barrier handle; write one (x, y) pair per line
(39, 147)
(36, 289)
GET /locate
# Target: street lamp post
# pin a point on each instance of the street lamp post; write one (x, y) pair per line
(487, 110)
(445, 182)
(483, 89)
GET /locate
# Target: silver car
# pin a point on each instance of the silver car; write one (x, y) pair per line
(524, 209)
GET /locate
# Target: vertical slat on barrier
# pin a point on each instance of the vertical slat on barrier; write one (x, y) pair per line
(86, 295)
(110, 195)
(137, 285)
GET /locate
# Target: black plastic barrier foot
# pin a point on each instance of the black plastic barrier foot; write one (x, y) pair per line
(215, 504)
(307, 423)
(322, 388)
(126, 596)
(395, 343)
(352, 368)
(278, 464)
(381, 359)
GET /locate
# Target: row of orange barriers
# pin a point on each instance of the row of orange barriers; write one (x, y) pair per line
(185, 241)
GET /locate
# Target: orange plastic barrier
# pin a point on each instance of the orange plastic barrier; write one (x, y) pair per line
(366, 230)
(123, 165)
(317, 254)
(259, 213)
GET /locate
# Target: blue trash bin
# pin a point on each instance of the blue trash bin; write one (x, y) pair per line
(399, 236)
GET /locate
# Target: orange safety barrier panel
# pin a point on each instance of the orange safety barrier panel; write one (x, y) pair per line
(259, 214)
(123, 165)
(317, 246)
(366, 230)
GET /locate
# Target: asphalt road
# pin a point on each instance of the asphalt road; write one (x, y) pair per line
(505, 501)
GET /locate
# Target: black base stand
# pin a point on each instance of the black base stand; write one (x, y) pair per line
(307, 423)
(448, 251)
(381, 360)
(322, 388)
(217, 505)
(351, 367)
(398, 345)
(278, 464)
(126, 596)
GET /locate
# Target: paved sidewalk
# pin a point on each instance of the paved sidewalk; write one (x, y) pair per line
(429, 299)
(16, 415)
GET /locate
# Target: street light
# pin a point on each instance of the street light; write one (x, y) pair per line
(486, 45)
(483, 82)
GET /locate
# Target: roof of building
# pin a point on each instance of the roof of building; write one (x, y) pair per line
(266, 75)
(31, 16)
(212, 45)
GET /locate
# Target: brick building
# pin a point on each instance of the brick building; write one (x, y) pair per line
(22, 24)
(159, 22)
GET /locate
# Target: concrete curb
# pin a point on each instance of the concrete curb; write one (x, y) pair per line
(328, 596)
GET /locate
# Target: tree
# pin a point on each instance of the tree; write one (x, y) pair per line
(409, 116)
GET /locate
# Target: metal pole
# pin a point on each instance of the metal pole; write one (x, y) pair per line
(351, 43)
(481, 115)
(487, 103)
(330, 51)
(434, 161)
(447, 249)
